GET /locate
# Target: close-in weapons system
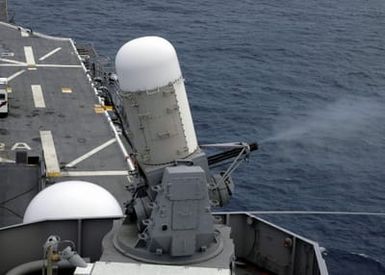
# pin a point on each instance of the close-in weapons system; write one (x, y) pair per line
(102, 173)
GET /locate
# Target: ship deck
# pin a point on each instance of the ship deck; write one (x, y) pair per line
(56, 116)
(54, 113)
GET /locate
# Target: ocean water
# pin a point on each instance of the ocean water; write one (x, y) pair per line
(306, 79)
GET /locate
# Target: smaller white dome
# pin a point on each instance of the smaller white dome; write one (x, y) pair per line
(72, 200)
(146, 63)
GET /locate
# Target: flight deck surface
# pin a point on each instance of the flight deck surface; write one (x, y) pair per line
(55, 114)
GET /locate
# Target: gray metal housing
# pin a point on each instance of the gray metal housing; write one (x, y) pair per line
(155, 124)
(259, 243)
(24, 242)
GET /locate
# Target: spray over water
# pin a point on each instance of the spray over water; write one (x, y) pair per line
(348, 118)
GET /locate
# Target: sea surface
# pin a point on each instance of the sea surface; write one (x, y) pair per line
(305, 79)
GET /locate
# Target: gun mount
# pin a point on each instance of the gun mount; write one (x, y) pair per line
(169, 218)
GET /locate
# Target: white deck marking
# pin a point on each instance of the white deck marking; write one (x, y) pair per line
(50, 157)
(20, 64)
(29, 58)
(93, 173)
(10, 54)
(90, 153)
(15, 75)
(58, 66)
(13, 61)
(24, 33)
(6, 160)
(38, 98)
(13, 65)
(50, 53)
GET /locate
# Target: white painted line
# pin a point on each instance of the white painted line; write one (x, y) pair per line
(32, 69)
(58, 66)
(93, 173)
(10, 54)
(49, 54)
(24, 33)
(90, 153)
(12, 61)
(13, 65)
(84, 270)
(6, 160)
(38, 98)
(29, 58)
(50, 157)
(15, 75)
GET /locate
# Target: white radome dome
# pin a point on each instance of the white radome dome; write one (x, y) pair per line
(72, 200)
(146, 63)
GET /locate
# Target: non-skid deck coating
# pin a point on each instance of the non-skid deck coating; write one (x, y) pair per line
(53, 108)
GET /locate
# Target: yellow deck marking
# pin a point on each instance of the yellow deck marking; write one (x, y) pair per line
(66, 90)
(98, 109)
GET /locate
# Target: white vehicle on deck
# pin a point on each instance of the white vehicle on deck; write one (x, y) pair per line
(3, 97)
